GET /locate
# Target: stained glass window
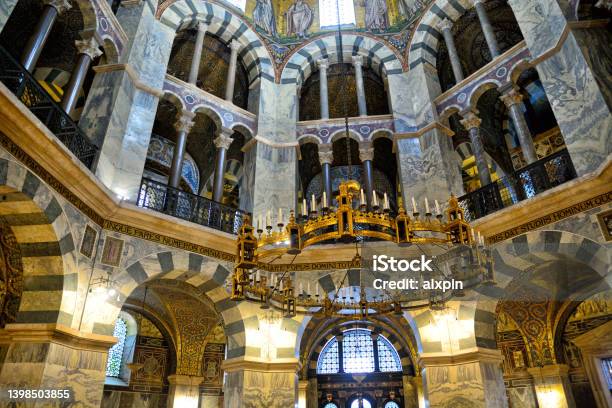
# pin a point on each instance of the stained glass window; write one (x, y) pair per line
(358, 351)
(330, 405)
(328, 13)
(388, 359)
(328, 360)
(358, 354)
(392, 404)
(364, 404)
(115, 354)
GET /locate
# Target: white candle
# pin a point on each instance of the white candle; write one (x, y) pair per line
(414, 206)
(362, 197)
(479, 237)
(259, 222)
(317, 288)
(472, 233)
(324, 200)
(301, 288)
(268, 219)
(386, 202)
(374, 199)
(313, 204)
(280, 215)
(257, 276)
(437, 207)
(304, 207)
(281, 285)
(308, 288)
(426, 206)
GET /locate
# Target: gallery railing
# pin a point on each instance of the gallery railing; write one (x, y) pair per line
(191, 207)
(25, 87)
(525, 183)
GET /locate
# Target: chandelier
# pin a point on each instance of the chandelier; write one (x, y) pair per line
(462, 256)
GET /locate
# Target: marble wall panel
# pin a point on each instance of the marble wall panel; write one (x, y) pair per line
(522, 397)
(6, 8)
(257, 389)
(595, 46)
(569, 83)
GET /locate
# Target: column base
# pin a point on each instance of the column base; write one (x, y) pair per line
(184, 391)
(552, 386)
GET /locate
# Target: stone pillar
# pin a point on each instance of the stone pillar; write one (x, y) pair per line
(36, 42)
(271, 167)
(361, 98)
(323, 94)
(411, 392)
(472, 378)
(88, 49)
(471, 123)
(53, 356)
(260, 384)
(366, 155)
(552, 386)
(326, 157)
(231, 72)
(514, 102)
(222, 143)
(197, 53)
(184, 391)
(183, 125)
(446, 25)
(487, 28)
(313, 393)
(303, 394)
(120, 109)
(570, 84)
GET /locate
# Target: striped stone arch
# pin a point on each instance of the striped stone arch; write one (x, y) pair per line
(515, 258)
(315, 339)
(207, 275)
(424, 43)
(379, 56)
(223, 23)
(41, 228)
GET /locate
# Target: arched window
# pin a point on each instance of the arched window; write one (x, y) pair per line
(330, 405)
(364, 403)
(392, 404)
(115, 354)
(358, 354)
(328, 13)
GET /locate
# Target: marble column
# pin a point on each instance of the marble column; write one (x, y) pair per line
(552, 386)
(487, 28)
(366, 155)
(361, 98)
(36, 42)
(513, 100)
(446, 25)
(570, 84)
(471, 378)
(88, 49)
(53, 356)
(184, 391)
(121, 104)
(194, 70)
(231, 72)
(411, 390)
(183, 125)
(222, 143)
(302, 394)
(471, 123)
(260, 384)
(326, 157)
(323, 94)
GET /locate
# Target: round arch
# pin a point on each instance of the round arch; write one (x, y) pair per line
(224, 24)
(377, 55)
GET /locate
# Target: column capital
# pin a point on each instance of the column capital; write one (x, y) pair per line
(366, 151)
(326, 154)
(478, 2)
(59, 5)
(323, 63)
(184, 121)
(511, 97)
(357, 60)
(445, 24)
(224, 140)
(470, 120)
(88, 46)
(181, 379)
(235, 46)
(202, 27)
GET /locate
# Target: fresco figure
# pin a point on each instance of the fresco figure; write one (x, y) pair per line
(263, 15)
(299, 18)
(376, 15)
